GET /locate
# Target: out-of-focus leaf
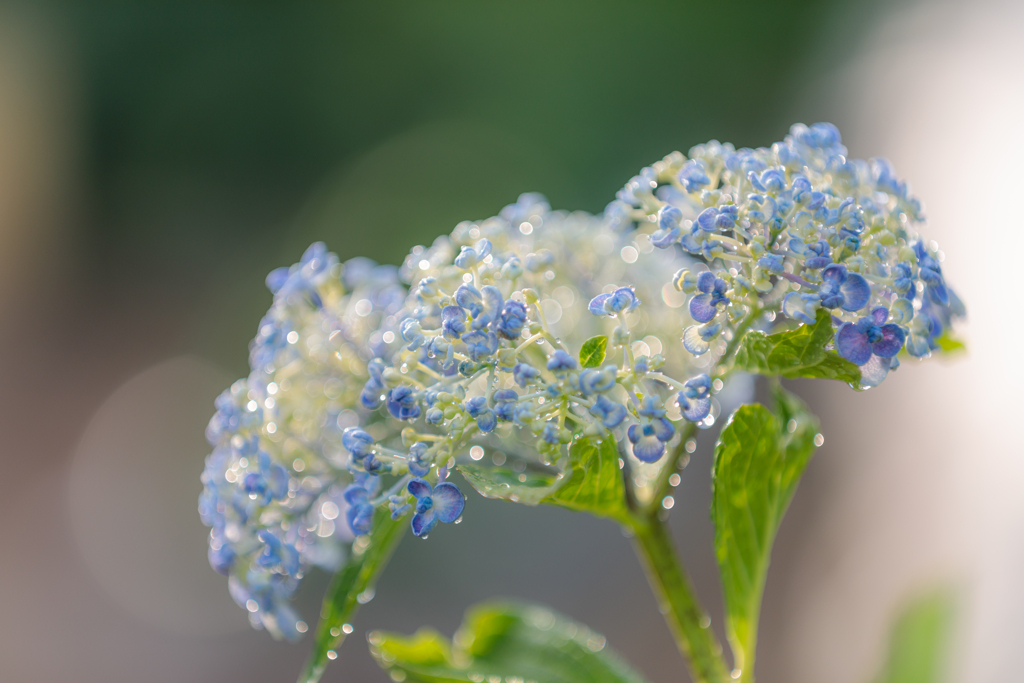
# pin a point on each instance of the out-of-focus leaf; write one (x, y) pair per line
(796, 353)
(950, 345)
(528, 487)
(759, 459)
(507, 642)
(593, 352)
(918, 642)
(594, 482)
(370, 554)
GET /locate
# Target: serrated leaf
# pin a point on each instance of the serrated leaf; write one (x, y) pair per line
(593, 352)
(507, 642)
(918, 642)
(796, 353)
(360, 573)
(529, 487)
(759, 459)
(594, 483)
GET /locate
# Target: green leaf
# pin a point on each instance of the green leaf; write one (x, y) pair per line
(918, 641)
(950, 345)
(594, 483)
(507, 642)
(593, 352)
(370, 554)
(759, 459)
(529, 487)
(796, 353)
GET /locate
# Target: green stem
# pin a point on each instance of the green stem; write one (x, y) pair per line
(687, 620)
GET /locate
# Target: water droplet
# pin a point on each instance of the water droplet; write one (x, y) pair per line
(705, 621)
(819, 439)
(476, 452)
(457, 521)
(367, 595)
(301, 626)
(791, 426)
(691, 446)
(335, 631)
(252, 605)
(736, 673)
(667, 502)
(346, 628)
(332, 655)
(674, 479)
(397, 675)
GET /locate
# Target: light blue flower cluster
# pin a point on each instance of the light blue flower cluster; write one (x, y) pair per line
(794, 228)
(526, 331)
(273, 487)
(496, 317)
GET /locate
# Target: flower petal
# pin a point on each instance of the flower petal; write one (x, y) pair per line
(856, 292)
(419, 488)
(834, 274)
(701, 308)
(448, 502)
(663, 429)
(423, 522)
(648, 449)
(596, 305)
(891, 342)
(693, 342)
(697, 410)
(874, 371)
(852, 344)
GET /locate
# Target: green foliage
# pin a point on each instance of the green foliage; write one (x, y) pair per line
(590, 482)
(593, 351)
(796, 353)
(918, 642)
(529, 487)
(360, 573)
(950, 345)
(594, 483)
(507, 642)
(758, 463)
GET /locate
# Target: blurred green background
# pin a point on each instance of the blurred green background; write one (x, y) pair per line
(158, 159)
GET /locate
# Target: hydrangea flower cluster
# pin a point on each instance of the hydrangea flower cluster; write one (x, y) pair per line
(496, 317)
(273, 487)
(791, 229)
(526, 331)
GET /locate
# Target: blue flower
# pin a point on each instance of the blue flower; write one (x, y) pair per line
(611, 304)
(360, 510)
(697, 338)
(870, 336)
(695, 398)
(453, 322)
(523, 374)
(801, 306)
(669, 218)
(704, 306)
(649, 438)
(357, 442)
(610, 413)
(443, 503)
(304, 276)
(597, 380)
(485, 418)
(842, 289)
(401, 402)
(481, 344)
(560, 361)
(505, 401)
(512, 320)
(693, 176)
(374, 387)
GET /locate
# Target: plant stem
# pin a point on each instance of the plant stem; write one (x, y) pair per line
(686, 619)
